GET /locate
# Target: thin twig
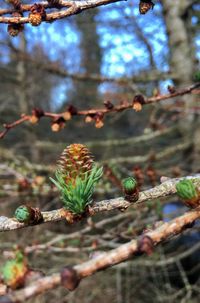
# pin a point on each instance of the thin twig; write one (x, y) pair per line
(61, 118)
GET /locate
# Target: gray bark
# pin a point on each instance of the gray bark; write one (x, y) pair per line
(182, 64)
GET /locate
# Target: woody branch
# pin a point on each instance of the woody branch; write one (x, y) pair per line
(69, 277)
(71, 8)
(166, 188)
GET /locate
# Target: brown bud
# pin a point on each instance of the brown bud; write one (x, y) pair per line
(171, 89)
(34, 119)
(69, 278)
(137, 106)
(145, 6)
(99, 123)
(72, 110)
(57, 124)
(37, 14)
(67, 115)
(70, 218)
(138, 101)
(37, 215)
(108, 105)
(139, 98)
(35, 19)
(99, 120)
(55, 127)
(23, 184)
(145, 245)
(88, 119)
(14, 29)
(38, 112)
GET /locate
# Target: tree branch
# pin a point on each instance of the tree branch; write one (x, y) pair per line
(73, 7)
(96, 115)
(143, 244)
(165, 189)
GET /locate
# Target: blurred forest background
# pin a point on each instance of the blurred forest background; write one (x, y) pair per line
(107, 53)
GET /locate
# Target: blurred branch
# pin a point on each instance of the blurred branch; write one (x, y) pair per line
(154, 156)
(97, 115)
(110, 142)
(165, 189)
(143, 244)
(54, 68)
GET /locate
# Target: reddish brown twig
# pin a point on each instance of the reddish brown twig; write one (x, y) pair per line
(58, 120)
(12, 125)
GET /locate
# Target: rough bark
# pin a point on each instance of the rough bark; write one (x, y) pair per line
(182, 63)
(90, 57)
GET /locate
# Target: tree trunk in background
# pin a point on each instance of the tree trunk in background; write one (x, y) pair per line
(21, 77)
(91, 59)
(182, 64)
(23, 100)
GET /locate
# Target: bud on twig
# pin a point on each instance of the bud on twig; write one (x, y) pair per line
(57, 124)
(88, 119)
(69, 278)
(37, 113)
(145, 245)
(67, 116)
(171, 89)
(15, 29)
(130, 188)
(99, 120)
(137, 102)
(189, 194)
(27, 214)
(108, 105)
(145, 6)
(37, 14)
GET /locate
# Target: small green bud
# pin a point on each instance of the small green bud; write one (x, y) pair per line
(14, 271)
(24, 214)
(129, 185)
(130, 188)
(186, 190)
